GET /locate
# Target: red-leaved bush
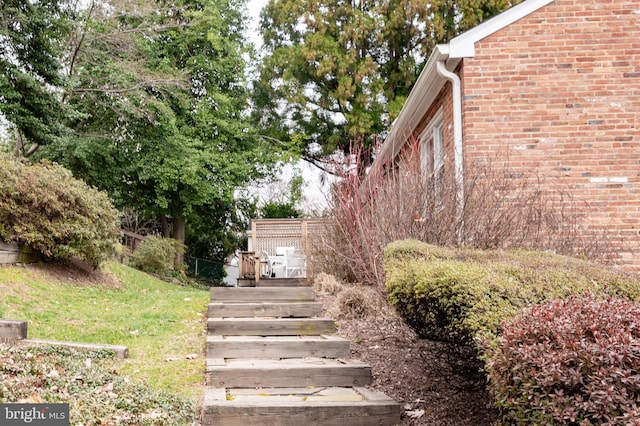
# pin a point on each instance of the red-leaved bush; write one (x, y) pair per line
(573, 362)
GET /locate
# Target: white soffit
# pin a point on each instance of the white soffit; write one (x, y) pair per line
(463, 46)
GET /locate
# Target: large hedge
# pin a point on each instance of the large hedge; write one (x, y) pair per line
(43, 206)
(463, 295)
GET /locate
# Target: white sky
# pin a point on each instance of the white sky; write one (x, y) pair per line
(254, 7)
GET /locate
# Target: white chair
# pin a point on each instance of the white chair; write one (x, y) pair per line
(295, 264)
(271, 266)
(282, 251)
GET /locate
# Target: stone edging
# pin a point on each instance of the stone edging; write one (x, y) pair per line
(14, 331)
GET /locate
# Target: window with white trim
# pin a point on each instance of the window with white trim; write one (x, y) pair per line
(432, 154)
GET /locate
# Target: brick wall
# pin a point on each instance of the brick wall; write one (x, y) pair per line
(558, 93)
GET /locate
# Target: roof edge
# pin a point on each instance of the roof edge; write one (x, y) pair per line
(429, 82)
(463, 46)
(424, 91)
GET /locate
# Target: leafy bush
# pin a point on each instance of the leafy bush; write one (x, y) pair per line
(157, 255)
(462, 296)
(43, 206)
(280, 210)
(572, 361)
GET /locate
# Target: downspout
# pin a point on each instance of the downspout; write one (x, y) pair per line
(458, 162)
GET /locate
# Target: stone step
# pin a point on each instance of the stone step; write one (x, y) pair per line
(323, 406)
(262, 294)
(324, 346)
(290, 372)
(264, 309)
(271, 326)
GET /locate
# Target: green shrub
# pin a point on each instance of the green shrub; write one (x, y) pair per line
(462, 296)
(157, 255)
(43, 206)
(413, 249)
(569, 362)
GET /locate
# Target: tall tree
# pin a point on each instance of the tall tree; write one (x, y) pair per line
(163, 94)
(31, 77)
(339, 71)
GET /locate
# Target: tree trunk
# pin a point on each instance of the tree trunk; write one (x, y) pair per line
(17, 152)
(165, 225)
(20, 144)
(178, 234)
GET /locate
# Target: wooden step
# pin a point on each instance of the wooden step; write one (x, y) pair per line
(262, 294)
(290, 372)
(271, 326)
(264, 309)
(13, 329)
(324, 346)
(282, 282)
(330, 406)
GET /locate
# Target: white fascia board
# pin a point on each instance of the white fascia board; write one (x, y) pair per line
(463, 46)
(420, 98)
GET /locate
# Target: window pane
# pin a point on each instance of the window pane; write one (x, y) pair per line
(438, 148)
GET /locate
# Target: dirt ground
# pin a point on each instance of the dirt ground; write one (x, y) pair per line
(433, 386)
(76, 272)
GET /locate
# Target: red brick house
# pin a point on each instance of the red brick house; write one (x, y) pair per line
(552, 85)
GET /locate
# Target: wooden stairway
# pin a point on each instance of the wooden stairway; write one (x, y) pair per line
(271, 360)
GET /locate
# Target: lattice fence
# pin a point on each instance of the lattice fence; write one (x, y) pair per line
(269, 234)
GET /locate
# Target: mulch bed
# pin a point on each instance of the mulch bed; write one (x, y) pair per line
(434, 385)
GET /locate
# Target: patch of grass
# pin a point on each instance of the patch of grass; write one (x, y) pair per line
(157, 321)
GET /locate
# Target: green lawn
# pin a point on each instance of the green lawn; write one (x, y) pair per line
(162, 324)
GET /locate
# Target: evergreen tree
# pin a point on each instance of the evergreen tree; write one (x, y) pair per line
(338, 72)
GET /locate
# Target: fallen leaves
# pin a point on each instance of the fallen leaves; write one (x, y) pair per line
(107, 387)
(420, 374)
(173, 358)
(34, 398)
(87, 380)
(414, 414)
